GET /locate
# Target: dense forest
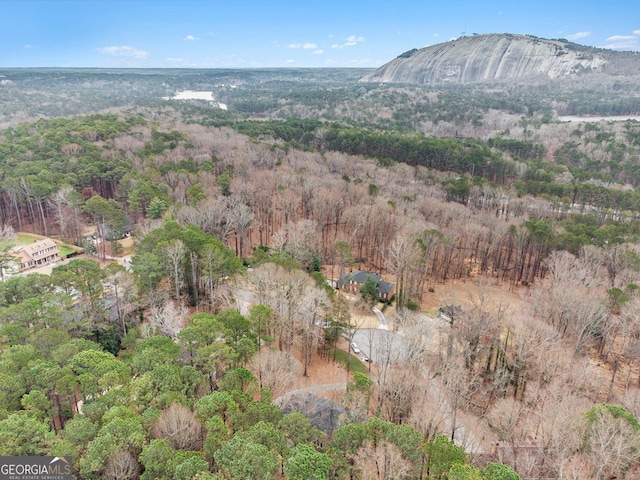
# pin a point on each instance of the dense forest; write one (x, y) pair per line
(178, 357)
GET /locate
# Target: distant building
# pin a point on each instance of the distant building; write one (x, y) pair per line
(198, 95)
(352, 282)
(40, 252)
(449, 313)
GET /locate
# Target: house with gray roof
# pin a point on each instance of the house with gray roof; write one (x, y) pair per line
(351, 283)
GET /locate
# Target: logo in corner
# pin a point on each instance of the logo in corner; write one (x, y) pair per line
(35, 468)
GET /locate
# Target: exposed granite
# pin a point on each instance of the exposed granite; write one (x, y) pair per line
(498, 58)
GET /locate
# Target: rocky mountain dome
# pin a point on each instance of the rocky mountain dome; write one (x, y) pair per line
(500, 58)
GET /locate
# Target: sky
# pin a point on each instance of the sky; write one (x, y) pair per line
(285, 33)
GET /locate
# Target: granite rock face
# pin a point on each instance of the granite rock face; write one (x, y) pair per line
(492, 58)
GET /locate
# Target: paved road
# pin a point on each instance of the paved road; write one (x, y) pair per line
(245, 300)
(381, 318)
(381, 346)
(284, 399)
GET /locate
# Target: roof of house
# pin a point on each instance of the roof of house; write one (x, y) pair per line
(324, 414)
(359, 277)
(21, 255)
(385, 287)
(450, 312)
(31, 250)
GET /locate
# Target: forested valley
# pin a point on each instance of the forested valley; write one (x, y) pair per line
(190, 338)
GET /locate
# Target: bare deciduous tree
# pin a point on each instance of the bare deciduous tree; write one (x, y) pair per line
(397, 396)
(507, 419)
(459, 385)
(210, 215)
(300, 239)
(121, 465)
(179, 425)
(520, 350)
(298, 303)
(7, 232)
(66, 210)
(168, 317)
(241, 220)
(279, 370)
(383, 461)
(612, 444)
(401, 253)
(175, 253)
(576, 311)
(428, 414)
(121, 284)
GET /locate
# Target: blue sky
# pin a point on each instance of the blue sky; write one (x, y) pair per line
(284, 33)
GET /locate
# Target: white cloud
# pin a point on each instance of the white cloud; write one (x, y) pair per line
(351, 41)
(363, 62)
(621, 38)
(306, 45)
(578, 35)
(318, 52)
(190, 38)
(290, 61)
(624, 42)
(124, 51)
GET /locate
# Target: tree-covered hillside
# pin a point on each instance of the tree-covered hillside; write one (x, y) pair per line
(174, 360)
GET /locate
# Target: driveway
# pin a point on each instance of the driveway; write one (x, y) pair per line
(381, 318)
(381, 346)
